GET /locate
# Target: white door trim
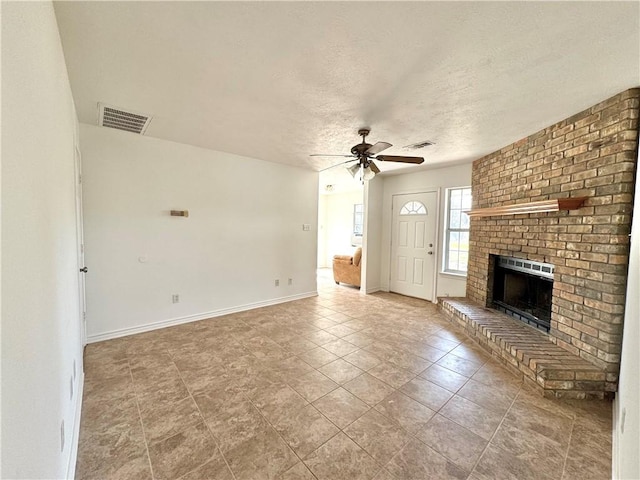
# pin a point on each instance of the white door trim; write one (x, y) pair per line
(82, 307)
(436, 244)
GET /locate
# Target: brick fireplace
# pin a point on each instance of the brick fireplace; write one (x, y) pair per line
(591, 154)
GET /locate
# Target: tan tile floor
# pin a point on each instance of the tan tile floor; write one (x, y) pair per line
(339, 386)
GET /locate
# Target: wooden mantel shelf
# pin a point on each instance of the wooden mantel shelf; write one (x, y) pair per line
(553, 205)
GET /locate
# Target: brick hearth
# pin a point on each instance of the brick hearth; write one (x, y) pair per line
(529, 353)
(591, 154)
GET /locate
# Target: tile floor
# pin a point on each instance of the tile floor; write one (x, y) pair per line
(339, 386)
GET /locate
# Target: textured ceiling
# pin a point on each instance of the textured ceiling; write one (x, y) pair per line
(280, 80)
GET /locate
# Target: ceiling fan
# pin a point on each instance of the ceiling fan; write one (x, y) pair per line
(364, 154)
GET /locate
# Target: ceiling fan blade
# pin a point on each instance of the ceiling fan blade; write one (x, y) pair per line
(338, 164)
(374, 168)
(394, 158)
(377, 148)
(323, 155)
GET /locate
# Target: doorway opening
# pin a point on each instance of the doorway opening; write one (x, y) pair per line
(340, 220)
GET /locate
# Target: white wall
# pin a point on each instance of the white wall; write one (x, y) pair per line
(626, 444)
(244, 231)
(428, 180)
(40, 302)
(372, 242)
(336, 225)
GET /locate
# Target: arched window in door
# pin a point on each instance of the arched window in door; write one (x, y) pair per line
(413, 208)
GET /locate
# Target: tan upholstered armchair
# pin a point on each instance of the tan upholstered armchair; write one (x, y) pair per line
(346, 269)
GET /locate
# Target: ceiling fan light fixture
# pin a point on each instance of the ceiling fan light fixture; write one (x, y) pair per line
(368, 174)
(365, 153)
(354, 169)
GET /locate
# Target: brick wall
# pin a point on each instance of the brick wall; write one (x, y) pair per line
(591, 154)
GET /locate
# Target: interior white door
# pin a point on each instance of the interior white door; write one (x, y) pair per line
(80, 246)
(413, 244)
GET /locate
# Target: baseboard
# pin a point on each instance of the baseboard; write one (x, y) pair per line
(73, 454)
(193, 318)
(615, 440)
(372, 290)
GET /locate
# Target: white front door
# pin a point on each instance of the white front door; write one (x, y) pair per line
(413, 248)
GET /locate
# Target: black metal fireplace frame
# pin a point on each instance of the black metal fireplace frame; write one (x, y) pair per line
(539, 318)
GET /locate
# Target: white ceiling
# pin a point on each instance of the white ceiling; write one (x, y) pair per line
(280, 80)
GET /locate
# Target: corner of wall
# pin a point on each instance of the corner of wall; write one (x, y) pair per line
(626, 405)
(372, 245)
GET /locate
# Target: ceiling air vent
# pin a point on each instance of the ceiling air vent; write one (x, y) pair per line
(114, 117)
(419, 145)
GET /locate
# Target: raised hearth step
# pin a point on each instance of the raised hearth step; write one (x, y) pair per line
(529, 352)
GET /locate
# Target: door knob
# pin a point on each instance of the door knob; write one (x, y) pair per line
(84, 269)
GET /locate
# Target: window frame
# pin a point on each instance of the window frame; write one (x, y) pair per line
(414, 212)
(448, 230)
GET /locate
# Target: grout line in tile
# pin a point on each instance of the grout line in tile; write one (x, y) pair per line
(144, 435)
(382, 465)
(208, 429)
(415, 435)
(276, 430)
(496, 430)
(566, 455)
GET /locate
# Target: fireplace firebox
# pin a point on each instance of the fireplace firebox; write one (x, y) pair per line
(523, 289)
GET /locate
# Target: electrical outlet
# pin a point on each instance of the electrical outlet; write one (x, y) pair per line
(175, 298)
(277, 283)
(62, 436)
(306, 227)
(291, 281)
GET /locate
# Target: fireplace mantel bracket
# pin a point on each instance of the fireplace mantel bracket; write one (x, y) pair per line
(553, 205)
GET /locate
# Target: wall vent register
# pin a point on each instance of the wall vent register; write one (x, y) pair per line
(527, 266)
(121, 119)
(419, 145)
